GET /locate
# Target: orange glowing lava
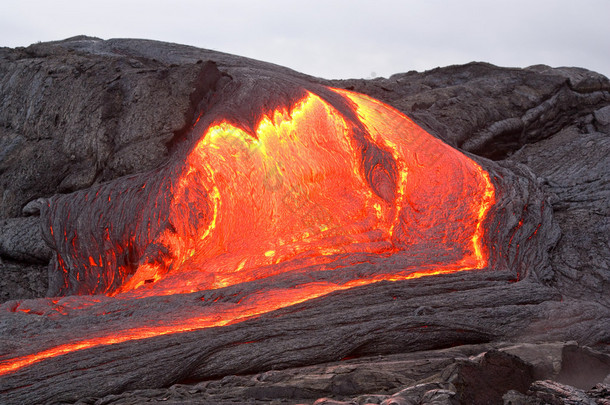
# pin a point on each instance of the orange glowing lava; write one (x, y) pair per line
(298, 192)
(308, 187)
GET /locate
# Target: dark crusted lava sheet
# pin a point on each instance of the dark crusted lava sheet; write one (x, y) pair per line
(83, 115)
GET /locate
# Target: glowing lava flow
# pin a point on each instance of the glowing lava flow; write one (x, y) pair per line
(310, 186)
(252, 306)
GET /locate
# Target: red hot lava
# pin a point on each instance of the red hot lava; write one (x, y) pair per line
(310, 186)
(303, 189)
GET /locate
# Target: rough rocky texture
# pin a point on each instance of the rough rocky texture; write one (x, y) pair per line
(22, 281)
(489, 111)
(22, 241)
(469, 374)
(83, 111)
(84, 118)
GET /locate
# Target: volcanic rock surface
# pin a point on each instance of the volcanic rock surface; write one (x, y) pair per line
(84, 116)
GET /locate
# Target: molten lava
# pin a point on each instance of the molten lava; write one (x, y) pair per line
(307, 186)
(312, 185)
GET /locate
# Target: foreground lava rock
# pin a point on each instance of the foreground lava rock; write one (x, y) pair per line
(107, 118)
(469, 374)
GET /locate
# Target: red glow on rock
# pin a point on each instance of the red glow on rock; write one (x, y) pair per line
(308, 187)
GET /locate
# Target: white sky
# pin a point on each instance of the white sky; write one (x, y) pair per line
(338, 38)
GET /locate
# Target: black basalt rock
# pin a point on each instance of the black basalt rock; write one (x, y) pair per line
(82, 115)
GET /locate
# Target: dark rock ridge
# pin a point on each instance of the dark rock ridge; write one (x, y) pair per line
(469, 374)
(79, 113)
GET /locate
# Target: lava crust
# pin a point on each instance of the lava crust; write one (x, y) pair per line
(208, 215)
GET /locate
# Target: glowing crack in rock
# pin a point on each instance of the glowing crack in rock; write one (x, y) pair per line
(310, 186)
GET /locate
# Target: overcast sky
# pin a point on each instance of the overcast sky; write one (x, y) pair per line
(338, 38)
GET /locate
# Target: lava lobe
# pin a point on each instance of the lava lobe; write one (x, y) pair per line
(289, 206)
(334, 174)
